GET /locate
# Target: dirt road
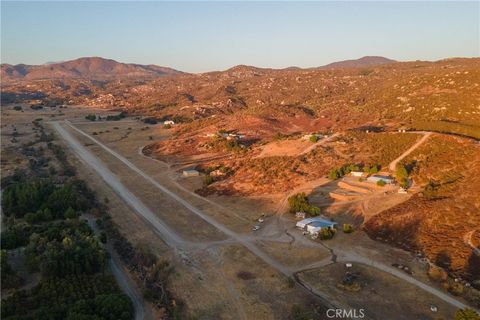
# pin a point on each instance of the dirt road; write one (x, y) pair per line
(319, 143)
(123, 279)
(393, 165)
(468, 240)
(177, 242)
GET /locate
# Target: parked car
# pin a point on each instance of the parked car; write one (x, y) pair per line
(255, 228)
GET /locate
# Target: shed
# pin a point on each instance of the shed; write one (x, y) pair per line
(300, 215)
(357, 173)
(191, 173)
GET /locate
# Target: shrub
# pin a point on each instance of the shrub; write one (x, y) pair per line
(402, 172)
(326, 234)
(313, 138)
(91, 117)
(208, 180)
(380, 183)
(298, 203)
(334, 174)
(348, 228)
(466, 314)
(70, 213)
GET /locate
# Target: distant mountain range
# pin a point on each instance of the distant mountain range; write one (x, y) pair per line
(100, 68)
(368, 61)
(89, 68)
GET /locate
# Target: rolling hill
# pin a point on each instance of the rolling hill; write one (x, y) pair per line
(90, 68)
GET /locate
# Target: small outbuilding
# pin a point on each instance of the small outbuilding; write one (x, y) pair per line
(300, 215)
(191, 173)
(357, 173)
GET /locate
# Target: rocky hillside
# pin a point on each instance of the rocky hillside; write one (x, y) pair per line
(440, 96)
(443, 219)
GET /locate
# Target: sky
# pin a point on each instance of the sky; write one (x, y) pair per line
(206, 36)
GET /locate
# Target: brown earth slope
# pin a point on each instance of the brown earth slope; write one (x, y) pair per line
(436, 221)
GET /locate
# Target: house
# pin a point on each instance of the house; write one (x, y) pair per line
(168, 122)
(314, 227)
(357, 173)
(300, 215)
(191, 173)
(302, 224)
(377, 178)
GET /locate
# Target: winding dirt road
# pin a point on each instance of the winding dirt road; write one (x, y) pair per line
(393, 165)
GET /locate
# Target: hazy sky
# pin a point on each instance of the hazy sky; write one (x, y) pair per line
(204, 36)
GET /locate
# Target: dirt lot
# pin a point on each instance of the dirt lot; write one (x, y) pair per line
(382, 295)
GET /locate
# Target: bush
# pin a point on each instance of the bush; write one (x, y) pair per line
(466, 314)
(208, 180)
(348, 228)
(91, 117)
(381, 183)
(402, 172)
(326, 233)
(313, 138)
(150, 121)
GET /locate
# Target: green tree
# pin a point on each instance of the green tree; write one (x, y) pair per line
(91, 117)
(374, 169)
(348, 228)
(402, 173)
(333, 174)
(70, 213)
(380, 183)
(466, 314)
(298, 203)
(208, 180)
(313, 138)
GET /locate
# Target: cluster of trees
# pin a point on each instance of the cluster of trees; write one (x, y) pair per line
(326, 233)
(337, 173)
(299, 203)
(152, 271)
(150, 120)
(91, 117)
(77, 297)
(70, 259)
(67, 168)
(41, 200)
(10, 279)
(402, 175)
(117, 117)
